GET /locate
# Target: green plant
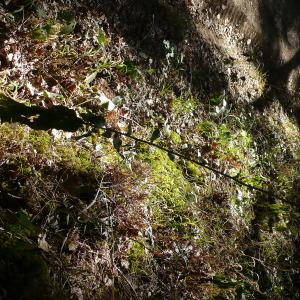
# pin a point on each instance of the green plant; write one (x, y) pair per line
(136, 256)
(170, 192)
(182, 105)
(129, 68)
(44, 31)
(102, 39)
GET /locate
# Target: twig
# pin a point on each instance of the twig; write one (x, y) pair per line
(258, 260)
(14, 196)
(64, 242)
(199, 163)
(94, 201)
(128, 282)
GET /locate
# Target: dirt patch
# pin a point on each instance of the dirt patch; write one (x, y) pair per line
(262, 38)
(146, 25)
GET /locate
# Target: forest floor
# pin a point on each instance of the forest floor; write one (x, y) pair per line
(86, 211)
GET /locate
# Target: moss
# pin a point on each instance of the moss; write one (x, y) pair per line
(207, 128)
(234, 147)
(79, 160)
(109, 153)
(41, 141)
(12, 132)
(170, 193)
(281, 227)
(235, 144)
(194, 171)
(175, 137)
(182, 105)
(136, 256)
(287, 131)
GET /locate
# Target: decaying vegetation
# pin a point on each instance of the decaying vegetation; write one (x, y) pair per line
(88, 213)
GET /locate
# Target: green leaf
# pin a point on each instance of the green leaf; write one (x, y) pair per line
(23, 226)
(39, 34)
(118, 101)
(18, 10)
(215, 101)
(207, 128)
(47, 27)
(155, 135)
(68, 28)
(52, 95)
(91, 77)
(117, 142)
(129, 68)
(279, 208)
(228, 61)
(225, 282)
(41, 13)
(44, 31)
(102, 39)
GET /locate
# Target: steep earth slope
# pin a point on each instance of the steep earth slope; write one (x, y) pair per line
(93, 93)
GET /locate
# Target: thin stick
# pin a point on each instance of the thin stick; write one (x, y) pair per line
(94, 201)
(199, 163)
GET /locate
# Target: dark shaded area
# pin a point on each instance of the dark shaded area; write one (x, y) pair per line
(287, 272)
(10, 191)
(19, 8)
(39, 118)
(280, 21)
(146, 24)
(24, 274)
(3, 36)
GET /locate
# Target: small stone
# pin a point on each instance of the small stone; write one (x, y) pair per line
(249, 42)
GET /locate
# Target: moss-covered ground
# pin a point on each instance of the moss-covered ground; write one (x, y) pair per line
(89, 214)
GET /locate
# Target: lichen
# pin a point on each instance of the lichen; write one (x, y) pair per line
(76, 159)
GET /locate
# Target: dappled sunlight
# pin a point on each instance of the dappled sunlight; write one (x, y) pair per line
(149, 149)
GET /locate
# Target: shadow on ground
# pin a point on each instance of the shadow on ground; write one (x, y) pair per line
(39, 118)
(280, 21)
(146, 24)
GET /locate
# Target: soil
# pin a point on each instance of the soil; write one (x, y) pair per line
(259, 37)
